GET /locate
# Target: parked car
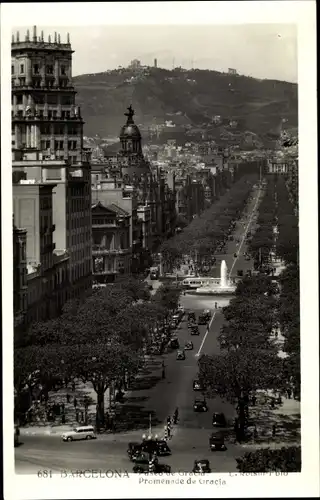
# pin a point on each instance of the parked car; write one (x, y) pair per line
(188, 346)
(197, 386)
(82, 432)
(180, 355)
(191, 324)
(201, 466)
(219, 420)
(174, 343)
(216, 443)
(200, 405)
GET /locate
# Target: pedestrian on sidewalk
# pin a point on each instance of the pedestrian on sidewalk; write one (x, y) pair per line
(169, 431)
(176, 416)
(68, 398)
(63, 419)
(82, 417)
(289, 392)
(165, 437)
(254, 400)
(62, 407)
(73, 387)
(274, 429)
(75, 402)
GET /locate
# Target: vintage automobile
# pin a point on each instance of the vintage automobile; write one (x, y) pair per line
(219, 420)
(216, 443)
(195, 330)
(201, 466)
(188, 346)
(142, 465)
(202, 320)
(134, 450)
(180, 355)
(191, 324)
(174, 343)
(200, 405)
(158, 446)
(191, 316)
(197, 386)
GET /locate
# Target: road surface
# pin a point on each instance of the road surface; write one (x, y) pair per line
(191, 434)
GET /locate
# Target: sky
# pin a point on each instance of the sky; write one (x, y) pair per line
(258, 50)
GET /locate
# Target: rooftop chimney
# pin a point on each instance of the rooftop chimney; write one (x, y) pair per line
(34, 33)
(42, 36)
(12, 39)
(28, 36)
(59, 38)
(18, 36)
(49, 38)
(68, 37)
(55, 37)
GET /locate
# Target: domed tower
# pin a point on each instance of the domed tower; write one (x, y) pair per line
(130, 136)
(131, 158)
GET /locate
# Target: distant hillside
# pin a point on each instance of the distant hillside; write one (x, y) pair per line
(190, 99)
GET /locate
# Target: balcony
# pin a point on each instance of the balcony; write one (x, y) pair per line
(105, 272)
(104, 226)
(100, 250)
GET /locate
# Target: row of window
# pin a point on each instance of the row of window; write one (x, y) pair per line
(36, 83)
(43, 99)
(72, 145)
(57, 129)
(49, 69)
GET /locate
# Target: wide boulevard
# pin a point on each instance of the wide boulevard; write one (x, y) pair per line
(191, 434)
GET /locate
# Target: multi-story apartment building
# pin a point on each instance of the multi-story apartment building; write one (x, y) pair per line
(47, 145)
(111, 250)
(19, 276)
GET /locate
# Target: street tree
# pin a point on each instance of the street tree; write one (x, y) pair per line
(267, 460)
(237, 375)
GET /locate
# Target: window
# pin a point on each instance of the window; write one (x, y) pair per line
(36, 69)
(63, 70)
(12, 69)
(49, 69)
(21, 68)
(19, 99)
(50, 113)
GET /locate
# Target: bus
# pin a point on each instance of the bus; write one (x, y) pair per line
(192, 283)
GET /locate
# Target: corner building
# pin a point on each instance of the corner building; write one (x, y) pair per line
(47, 145)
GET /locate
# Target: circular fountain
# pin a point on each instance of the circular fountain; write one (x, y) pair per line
(223, 287)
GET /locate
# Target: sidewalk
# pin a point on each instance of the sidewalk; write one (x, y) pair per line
(130, 417)
(278, 426)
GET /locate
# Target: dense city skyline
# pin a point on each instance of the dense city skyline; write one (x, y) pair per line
(267, 51)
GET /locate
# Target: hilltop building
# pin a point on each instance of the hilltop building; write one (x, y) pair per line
(48, 154)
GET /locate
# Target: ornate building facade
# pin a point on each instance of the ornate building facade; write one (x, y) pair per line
(47, 149)
(128, 180)
(111, 250)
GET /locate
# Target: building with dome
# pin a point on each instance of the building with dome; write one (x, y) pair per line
(147, 194)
